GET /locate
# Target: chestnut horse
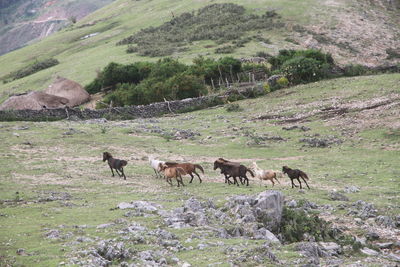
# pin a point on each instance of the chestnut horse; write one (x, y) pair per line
(189, 168)
(172, 172)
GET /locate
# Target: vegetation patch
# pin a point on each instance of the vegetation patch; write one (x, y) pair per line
(31, 69)
(221, 23)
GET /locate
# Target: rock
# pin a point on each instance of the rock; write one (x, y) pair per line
(321, 142)
(311, 250)
(363, 209)
(331, 248)
(385, 221)
(112, 251)
(53, 234)
(140, 206)
(369, 252)
(21, 252)
(372, 236)
(302, 128)
(53, 196)
(292, 204)
(105, 225)
(333, 195)
(186, 264)
(393, 257)
(385, 245)
(82, 239)
(263, 233)
(351, 189)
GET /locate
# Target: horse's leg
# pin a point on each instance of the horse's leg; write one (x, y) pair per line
(181, 180)
(277, 180)
(169, 181)
(198, 176)
(116, 170)
(112, 171)
(305, 182)
(299, 182)
(246, 179)
(235, 180)
(191, 175)
(273, 183)
(293, 185)
(155, 173)
(122, 170)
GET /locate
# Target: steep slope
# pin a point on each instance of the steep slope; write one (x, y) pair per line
(353, 31)
(24, 21)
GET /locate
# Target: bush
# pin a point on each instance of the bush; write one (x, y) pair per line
(31, 69)
(282, 82)
(355, 70)
(286, 55)
(222, 23)
(303, 70)
(233, 107)
(296, 223)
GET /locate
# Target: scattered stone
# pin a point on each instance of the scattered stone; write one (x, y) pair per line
(351, 189)
(21, 252)
(331, 248)
(333, 195)
(53, 196)
(112, 251)
(53, 234)
(140, 206)
(105, 225)
(292, 204)
(363, 209)
(369, 252)
(83, 239)
(385, 221)
(20, 128)
(263, 233)
(385, 245)
(72, 131)
(372, 236)
(302, 128)
(321, 142)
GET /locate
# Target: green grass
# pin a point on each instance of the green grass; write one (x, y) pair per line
(80, 59)
(59, 163)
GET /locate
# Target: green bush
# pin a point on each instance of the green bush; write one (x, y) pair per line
(286, 55)
(355, 70)
(222, 23)
(31, 69)
(304, 70)
(282, 82)
(233, 107)
(296, 223)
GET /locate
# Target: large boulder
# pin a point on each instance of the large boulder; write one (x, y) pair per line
(34, 101)
(68, 89)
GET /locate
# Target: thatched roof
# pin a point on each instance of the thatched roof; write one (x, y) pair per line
(34, 101)
(71, 90)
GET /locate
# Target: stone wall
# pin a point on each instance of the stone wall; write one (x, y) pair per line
(131, 112)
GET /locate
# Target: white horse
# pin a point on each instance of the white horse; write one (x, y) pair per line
(266, 174)
(155, 164)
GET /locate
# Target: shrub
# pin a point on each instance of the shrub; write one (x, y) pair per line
(282, 82)
(222, 23)
(31, 69)
(303, 70)
(295, 223)
(233, 107)
(286, 55)
(355, 70)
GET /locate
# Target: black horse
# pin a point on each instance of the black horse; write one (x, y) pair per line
(117, 164)
(295, 174)
(234, 170)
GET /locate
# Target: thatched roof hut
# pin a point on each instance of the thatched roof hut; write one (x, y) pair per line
(34, 101)
(70, 90)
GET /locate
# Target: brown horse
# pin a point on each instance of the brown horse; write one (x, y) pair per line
(189, 168)
(116, 164)
(172, 172)
(295, 174)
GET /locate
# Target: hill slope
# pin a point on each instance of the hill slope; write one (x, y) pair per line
(353, 31)
(22, 22)
(65, 208)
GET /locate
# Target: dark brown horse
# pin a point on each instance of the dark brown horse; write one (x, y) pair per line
(189, 168)
(295, 174)
(116, 164)
(234, 170)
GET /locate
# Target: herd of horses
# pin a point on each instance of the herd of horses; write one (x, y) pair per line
(234, 170)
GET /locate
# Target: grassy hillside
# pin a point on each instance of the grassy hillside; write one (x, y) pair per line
(64, 187)
(308, 23)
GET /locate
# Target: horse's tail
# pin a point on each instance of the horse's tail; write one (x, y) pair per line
(304, 175)
(124, 163)
(199, 167)
(250, 171)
